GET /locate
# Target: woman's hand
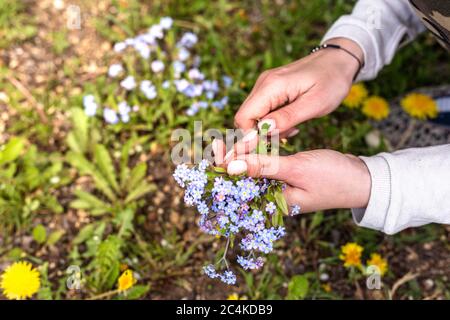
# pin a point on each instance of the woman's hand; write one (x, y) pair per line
(317, 180)
(308, 88)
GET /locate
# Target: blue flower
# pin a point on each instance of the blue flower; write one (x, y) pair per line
(142, 48)
(157, 66)
(148, 89)
(110, 116)
(250, 263)
(178, 67)
(271, 207)
(227, 81)
(124, 110)
(188, 40)
(166, 84)
(166, 23)
(183, 54)
(210, 271)
(181, 85)
(120, 46)
(295, 210)
(90, 106)
(114, 70)
(228, 277)
(128, 83)
(156, 31)
(195, 74)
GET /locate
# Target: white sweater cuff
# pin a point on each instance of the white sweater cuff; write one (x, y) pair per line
(374, 216)
(346, 27)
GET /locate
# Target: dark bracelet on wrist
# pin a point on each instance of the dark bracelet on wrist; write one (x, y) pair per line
(338, 47)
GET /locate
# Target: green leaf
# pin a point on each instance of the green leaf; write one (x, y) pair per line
(88, 201)
(106, 262)
(139, 191)
(78, 161)
(105, 164)
(281, 202)
(137, 292)
(220, 170)
(124, 220)
(39, 234)
(316, 221)
(124, 170)
(12, 150)
(54, 237)
(298, 288)
(77, 139)
(84, 234)
(137, 174)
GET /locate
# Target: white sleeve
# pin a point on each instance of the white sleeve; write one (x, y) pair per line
(378, 27)
(410, 188)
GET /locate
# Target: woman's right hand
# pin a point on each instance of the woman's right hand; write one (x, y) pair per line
(308, 88)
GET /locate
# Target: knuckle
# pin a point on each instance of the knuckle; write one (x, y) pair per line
(238, 119)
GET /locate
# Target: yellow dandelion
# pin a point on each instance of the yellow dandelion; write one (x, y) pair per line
(378, 261)
(126, 280)
(327, 287)
(376, 108)
(233, 296)
(356, 96)
(20, 281)
(351, 255)
(419, 106)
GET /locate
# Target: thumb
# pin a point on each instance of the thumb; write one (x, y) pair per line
(277, 168)
(256, 166)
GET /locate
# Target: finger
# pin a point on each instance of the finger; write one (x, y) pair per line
(246, 145)
(219, 149)
(289, 133)
(297, 197)
(256, 166)
(304, 108)
(261, 100)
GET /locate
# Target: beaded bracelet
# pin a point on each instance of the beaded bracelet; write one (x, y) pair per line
(335, 46)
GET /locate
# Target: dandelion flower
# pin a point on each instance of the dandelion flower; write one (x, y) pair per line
(378, 261)
(376, 108)
(233, 296)
(351, 254)
(358, 93)
(419, 106)
(126, 280)
(327, 287)
(20, 281)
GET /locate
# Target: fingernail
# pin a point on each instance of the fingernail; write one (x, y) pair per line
(229, 155)
(236, 167)
(270, 122)
(293, 133)
(250, 135)
(214, 146)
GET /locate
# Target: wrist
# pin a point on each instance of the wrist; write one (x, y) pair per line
(349, 62)
(360, 183)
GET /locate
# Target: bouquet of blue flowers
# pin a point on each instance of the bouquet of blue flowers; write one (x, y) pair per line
(238, 208)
